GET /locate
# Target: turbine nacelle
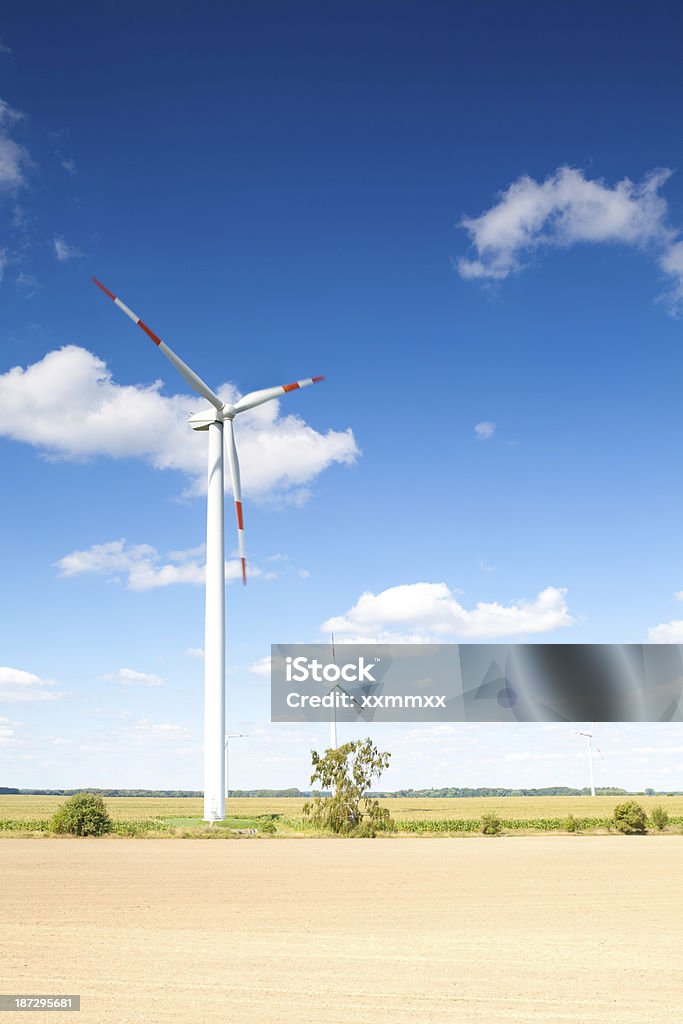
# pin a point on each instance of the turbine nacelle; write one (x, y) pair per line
(202, 420)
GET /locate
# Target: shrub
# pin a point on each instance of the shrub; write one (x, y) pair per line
(365, 830)
(659, 818)
(571, 824)
(267, 826)
(491, 824)
(82, 815)
(630, 818)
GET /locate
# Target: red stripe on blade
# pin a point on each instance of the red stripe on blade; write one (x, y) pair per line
(290, 387)
(244, 571)
(316, 380)
(151, 334)
(238, 506)
(105, 290)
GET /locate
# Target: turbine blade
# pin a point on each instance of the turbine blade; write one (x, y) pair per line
(255, 398)
(195, 382)
(237, 494)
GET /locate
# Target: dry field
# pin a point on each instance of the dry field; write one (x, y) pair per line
(558, 929)
(24, 807)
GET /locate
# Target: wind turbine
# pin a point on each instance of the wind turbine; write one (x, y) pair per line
(213, 419)
(589, 735)
(333, 720)
(337, 686)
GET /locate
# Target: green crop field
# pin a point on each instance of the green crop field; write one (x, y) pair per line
(402, 809)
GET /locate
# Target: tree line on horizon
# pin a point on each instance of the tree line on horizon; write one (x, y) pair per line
(446, 792)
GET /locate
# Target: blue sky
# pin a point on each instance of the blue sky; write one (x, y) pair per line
(468, 217)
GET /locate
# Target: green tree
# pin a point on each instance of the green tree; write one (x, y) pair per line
(347, 772)
(82, 815)
(630, 818)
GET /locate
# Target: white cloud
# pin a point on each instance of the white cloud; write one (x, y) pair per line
(421, 611)
(195, 652)
(142, 565)
(671, 262)
(261, 667)
(143, 733)
(484, 430)
(68, 406)
(662, 748)
(7, 732)
(63, 251)
(109, 558)
(68, 163)
(568, 208)
(147, 728)
(27, 285)
(17, 685)
(666, 633)
(4, 48)
(528, 755)
(168, 727)
(129, 677)
(14, 158)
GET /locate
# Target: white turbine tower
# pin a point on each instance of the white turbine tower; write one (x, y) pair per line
(213, 420)
(589, 736)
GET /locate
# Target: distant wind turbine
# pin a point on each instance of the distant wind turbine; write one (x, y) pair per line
(337, 686)
(589, 736)
(213, 419)
(333, 720)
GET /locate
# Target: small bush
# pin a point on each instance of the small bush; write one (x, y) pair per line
(630, 818)
(267, 826)
(659, 818)
(571, 824)
(82, 815)
(491, 824)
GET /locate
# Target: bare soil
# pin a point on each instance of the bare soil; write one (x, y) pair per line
(412, 930)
